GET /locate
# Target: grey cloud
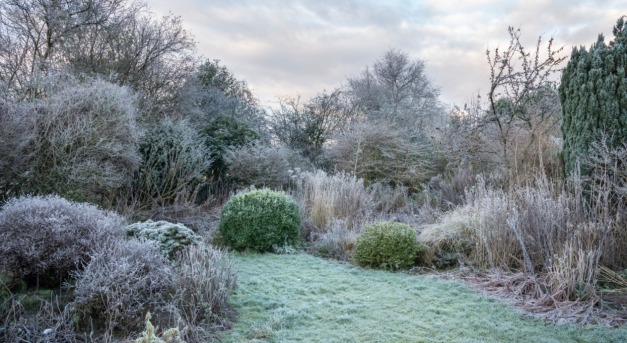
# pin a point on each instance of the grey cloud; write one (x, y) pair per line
(283, 47)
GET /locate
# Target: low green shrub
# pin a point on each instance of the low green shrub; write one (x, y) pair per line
(259, 219)
(387, 245)
(170, 237)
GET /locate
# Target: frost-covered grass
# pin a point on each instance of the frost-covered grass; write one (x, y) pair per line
(300, 298)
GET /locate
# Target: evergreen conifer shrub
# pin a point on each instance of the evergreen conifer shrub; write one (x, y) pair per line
(387, 245)
(174, 159)
(258, 219)
(593, 93)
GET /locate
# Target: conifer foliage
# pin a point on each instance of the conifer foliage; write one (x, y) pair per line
(593, 94)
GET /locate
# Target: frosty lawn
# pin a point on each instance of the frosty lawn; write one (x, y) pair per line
(300, 298)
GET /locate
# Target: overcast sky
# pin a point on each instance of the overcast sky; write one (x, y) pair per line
(302, 47)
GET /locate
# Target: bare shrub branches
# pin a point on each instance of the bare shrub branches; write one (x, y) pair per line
(77, 139)
(515, 129)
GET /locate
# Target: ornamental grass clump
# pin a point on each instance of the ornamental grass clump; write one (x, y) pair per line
(258, 219)
(388, 245)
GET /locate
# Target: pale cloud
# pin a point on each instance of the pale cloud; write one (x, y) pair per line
(289, 48)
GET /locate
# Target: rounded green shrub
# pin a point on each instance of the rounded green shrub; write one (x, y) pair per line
(170, 237)
(387, 245)
(259, 219)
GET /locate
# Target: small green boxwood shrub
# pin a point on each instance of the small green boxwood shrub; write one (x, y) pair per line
(387, 245)
(258, 219)
(170, 237)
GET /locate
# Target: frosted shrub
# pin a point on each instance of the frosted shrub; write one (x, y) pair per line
(174, 159)
(123, 281)
(44, 238)
(206, 277)
(380, 151)
(75, 139)
(262, 166)
(337, 242)
(170, 237)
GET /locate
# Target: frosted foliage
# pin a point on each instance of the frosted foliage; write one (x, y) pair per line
(123, 281)
(47, 237)
(170, 237)
(77, 139)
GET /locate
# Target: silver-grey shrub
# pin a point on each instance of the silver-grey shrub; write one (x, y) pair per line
(170, 237)
(124, 280)
(384, 152)
(44, 238)
(261, 165)
(75, 138)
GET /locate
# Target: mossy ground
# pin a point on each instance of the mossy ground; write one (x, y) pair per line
(301, 298)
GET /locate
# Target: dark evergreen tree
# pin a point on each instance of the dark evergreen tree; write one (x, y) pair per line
(593, 94)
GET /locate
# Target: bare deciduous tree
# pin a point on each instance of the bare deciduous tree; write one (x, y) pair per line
(117, 39)
(522, 92)
(33, 32)
(514, 129)
(396, 88)
(307, 127)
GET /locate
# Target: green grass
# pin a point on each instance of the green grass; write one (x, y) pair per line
(300, 298)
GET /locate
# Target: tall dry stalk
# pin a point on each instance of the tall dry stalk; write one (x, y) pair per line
(555, 229)
(325, 199)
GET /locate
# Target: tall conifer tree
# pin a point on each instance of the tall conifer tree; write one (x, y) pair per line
(593, 93)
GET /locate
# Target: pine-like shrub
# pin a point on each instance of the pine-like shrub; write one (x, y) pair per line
(593, 93)
(174, 159)
(223, 133)
(258, 219)
(387, 245)
(170, 237)
(44, 238)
